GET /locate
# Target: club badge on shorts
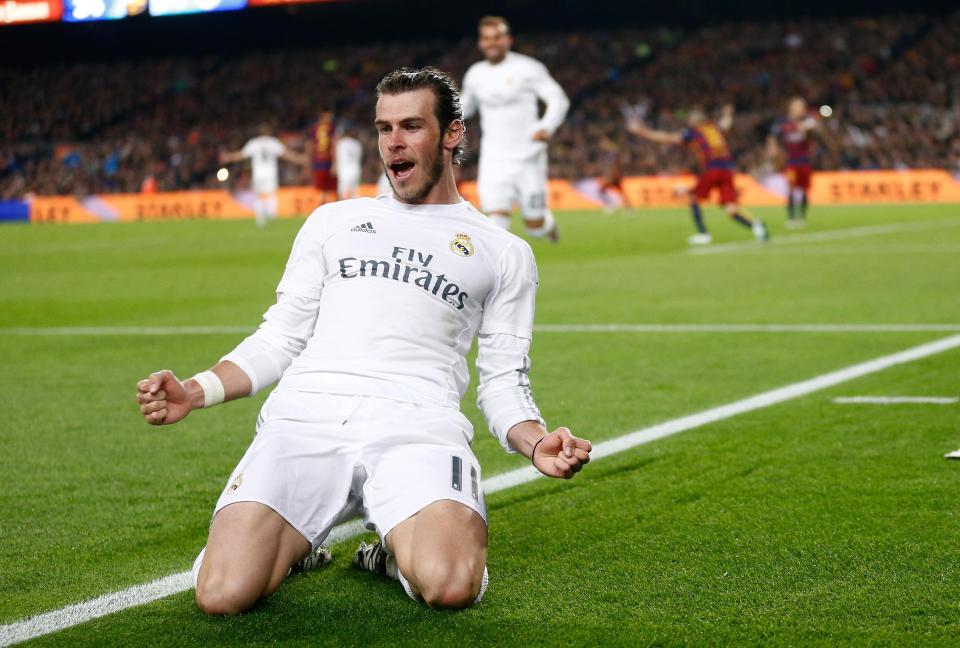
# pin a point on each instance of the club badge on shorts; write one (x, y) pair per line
(461, 245)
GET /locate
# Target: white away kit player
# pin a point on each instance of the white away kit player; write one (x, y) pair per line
(505, 88)
(349, 158)
(264, 153)
(376, 310)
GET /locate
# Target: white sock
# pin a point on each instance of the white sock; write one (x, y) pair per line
(483, 586)
(406, 587)
(196, 566)
(392, 570)
(501, 220)
(260, 211)
(415, 597)
(272, 207)
(797, 197)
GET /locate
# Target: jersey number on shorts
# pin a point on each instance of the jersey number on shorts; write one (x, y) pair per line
(457, 478)
(537, 201)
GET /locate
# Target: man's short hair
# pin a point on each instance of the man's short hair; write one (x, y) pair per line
(494, 21)
(447, 107)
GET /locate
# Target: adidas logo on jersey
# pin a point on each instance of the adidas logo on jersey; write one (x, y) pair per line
(364, 227)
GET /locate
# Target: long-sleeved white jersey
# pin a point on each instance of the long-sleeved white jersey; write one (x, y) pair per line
(264, 151)
(506, 95)
(383, 298)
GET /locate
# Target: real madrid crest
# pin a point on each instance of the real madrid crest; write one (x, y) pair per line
(461, 245)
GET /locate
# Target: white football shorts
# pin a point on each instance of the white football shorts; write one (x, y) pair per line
(501, 184)
(261, 186)
(320, 459)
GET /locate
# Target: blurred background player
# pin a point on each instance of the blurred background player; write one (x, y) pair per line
(707, 141)
(349, 160)
(504, 88)
(793, 136)
(611, 183)
(263, 152)
(322, 153)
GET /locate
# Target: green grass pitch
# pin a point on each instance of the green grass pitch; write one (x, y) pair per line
(804, 523)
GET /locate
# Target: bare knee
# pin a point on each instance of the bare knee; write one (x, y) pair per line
(452, 586)
(217, 594)
(248, 554)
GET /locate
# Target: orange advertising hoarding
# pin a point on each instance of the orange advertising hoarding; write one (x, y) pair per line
(14, 12)
(179, 205)
(829, 188)
(870, 187)
(673, 191)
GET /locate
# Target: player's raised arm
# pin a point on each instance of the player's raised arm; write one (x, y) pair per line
(725, 123)
(295, 157)
(638, 128)
(261, 358)
(280, 150)
(810, 124)
(550, 92)
(503, 365)
(229, 157)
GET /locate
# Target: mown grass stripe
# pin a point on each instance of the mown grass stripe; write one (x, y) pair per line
(107, 331)
(101, 606)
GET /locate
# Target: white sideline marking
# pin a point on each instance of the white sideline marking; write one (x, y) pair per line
(127, 330)
(746, 328)
(72, 615)
(539, 328)
(893, 400)
(829, 235)
(864, 249)
(101, 606)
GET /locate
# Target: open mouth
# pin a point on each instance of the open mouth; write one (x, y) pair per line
(401, 169)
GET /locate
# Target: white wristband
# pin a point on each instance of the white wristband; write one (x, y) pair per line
(212, 387)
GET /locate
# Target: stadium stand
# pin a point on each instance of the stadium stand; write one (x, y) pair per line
(893, 83)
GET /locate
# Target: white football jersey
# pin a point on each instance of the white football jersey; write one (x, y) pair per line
(384, 299)
(349, 155)
(264, 151)
(403, 290)
(506, 95)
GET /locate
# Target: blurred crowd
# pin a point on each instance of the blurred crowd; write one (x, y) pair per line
(892, 86)
(892, 83)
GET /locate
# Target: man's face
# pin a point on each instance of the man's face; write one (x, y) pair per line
(411, 143)
(494, 42)
(797, 108)
(696, 117)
